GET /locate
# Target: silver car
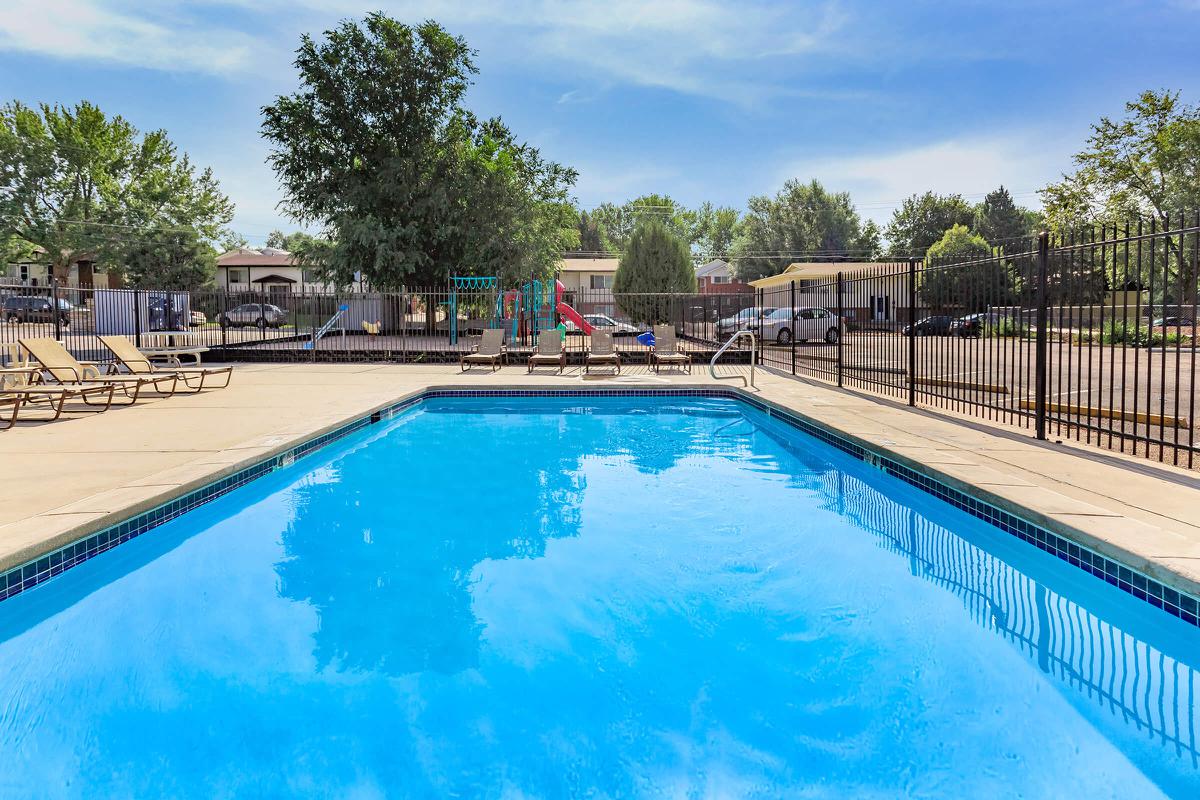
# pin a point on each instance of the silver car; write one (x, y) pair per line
(603, 322)
(262, 315)
(801, 324)
(746, 319)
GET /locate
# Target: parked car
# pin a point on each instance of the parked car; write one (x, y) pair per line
(938, 325)
(802, 324)
(746, 319)
(971, 325)
(198, 319)
(261, 315)
(603, 322)
(26, 308)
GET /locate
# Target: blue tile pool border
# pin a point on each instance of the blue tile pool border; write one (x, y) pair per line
(1175, 602)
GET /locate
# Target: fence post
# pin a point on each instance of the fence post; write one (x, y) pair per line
(912, 332)
(54, 309)
(757, 322)
(792, 313)
(137, 317)
(1039, 400)
(840, 312)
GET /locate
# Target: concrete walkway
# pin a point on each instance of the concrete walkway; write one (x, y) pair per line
(65, 479)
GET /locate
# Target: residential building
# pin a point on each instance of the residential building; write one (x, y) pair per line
(268, 270)
(716, 277)
(884, 298)
(587, 283)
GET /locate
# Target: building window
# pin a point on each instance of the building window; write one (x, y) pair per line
(310, 276)
(601, 281)
(720, 279)
(235, 276)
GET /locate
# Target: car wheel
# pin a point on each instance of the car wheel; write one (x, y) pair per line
(831, 336)
(784, 336)
(260, 323)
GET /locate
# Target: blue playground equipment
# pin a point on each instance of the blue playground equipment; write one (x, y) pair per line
(338, 319)
(473, 283)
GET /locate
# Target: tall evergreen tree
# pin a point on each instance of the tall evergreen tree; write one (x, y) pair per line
(1000, 221)
(655, 261)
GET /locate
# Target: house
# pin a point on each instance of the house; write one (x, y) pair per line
(882, 298)
(268, 270)
(79, 273)
(587, 283)
(716, 277)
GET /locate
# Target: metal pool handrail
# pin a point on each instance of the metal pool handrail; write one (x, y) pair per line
(712, 365)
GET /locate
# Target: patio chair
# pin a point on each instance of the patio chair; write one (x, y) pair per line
(55, 363)
(550, 351)
(490, 352)
(136, 362)
(666, 350)
(18, 390)
(601, 352)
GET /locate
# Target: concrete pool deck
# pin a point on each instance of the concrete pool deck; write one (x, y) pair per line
(63, 480)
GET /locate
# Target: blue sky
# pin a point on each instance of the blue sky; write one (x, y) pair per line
(697, 99)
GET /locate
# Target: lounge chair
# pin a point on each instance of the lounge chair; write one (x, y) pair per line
(601, 352)
(136, 362)
(666, 350)
(17, 390)
(56, 364)
(490, 352)
(550, 351)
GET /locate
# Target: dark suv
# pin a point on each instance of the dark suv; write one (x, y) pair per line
(24, 308)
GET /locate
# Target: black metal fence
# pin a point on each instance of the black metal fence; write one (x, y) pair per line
(1089, 335)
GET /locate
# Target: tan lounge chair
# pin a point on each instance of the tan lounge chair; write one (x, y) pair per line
(18, 390)
(602, 353)
(666, 350)
(490, 352)
(138, 363)
(550, 352)
(58, 365)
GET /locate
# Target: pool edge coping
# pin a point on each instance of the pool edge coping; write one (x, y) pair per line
(49, 557)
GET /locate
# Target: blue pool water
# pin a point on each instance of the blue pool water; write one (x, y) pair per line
(614, 597)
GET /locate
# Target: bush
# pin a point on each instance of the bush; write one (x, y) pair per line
(1006, 328)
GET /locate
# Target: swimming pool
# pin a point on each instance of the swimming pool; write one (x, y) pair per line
(623, 596)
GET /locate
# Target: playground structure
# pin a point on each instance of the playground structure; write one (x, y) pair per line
(527, 311)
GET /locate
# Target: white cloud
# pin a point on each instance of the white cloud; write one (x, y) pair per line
(699, 47)
(104, 30)
(971, 166)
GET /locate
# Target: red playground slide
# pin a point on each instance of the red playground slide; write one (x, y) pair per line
(566, 312)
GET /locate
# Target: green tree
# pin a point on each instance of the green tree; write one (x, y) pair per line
(292, 242)
(377, 150)
(1147, 163)
(656, 261)
(74, 181)
(619, 222)
(1000, 221)
(803, 222)
(922, 219)
(592, 238)
(716, 229)
(961, 273)
(173, 260)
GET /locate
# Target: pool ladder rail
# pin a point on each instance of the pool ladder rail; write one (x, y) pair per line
(712, 365)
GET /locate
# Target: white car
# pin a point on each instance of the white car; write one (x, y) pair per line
(802, 324)
(603, 322)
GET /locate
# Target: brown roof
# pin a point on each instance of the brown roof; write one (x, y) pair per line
(588, 265)
(255, 258)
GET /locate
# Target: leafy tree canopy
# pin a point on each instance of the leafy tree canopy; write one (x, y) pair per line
(1002, 222)
(655, 261)
(376, 149)
(292, 242)
(922, 219)
(74, 182)
(174, 260)
(716, 229)
(1146, 163)
(619, 222)
(965, 286)
(803, 222)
